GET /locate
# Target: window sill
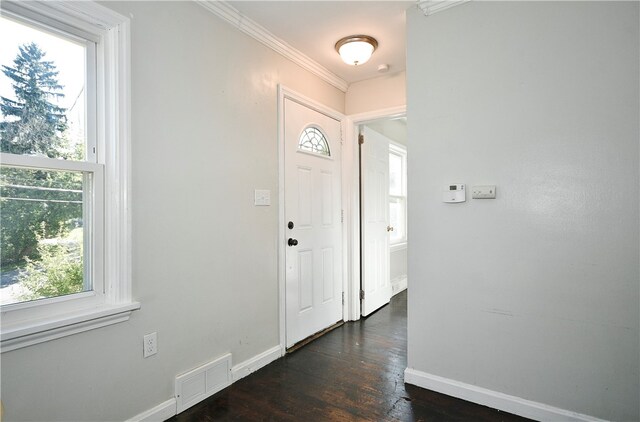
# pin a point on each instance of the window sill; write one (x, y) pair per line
(28, 333)
(398, 246)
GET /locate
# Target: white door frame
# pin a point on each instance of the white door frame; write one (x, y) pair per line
(284, 92)
(350, 201)
(351, 205)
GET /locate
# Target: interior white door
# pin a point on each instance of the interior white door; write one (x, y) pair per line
(313, 227)
(375, 255)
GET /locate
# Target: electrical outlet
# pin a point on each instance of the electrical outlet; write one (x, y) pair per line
(150, 344)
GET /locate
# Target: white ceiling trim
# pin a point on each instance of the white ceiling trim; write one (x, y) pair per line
(231, 15)
(429, 7)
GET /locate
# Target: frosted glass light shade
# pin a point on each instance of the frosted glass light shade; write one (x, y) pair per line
(356, 49)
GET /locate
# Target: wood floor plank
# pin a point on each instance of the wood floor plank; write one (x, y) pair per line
(354, 373)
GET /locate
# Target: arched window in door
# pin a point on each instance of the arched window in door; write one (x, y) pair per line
(313, 140)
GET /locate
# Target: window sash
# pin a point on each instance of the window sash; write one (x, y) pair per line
(46, 163)
(28, 16)
(89, 41)
(402, 198)
(93, 197)
(402, 153)
(93, 204)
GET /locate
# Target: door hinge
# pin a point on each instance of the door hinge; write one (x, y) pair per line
(361, 139)
(361, 294)
(343, 298)
(342, 216)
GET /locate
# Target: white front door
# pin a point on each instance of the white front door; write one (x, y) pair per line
(313, 227)
(375, 255)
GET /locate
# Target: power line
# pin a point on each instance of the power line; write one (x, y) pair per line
(76, 100)
(42, 188)
(57, 201)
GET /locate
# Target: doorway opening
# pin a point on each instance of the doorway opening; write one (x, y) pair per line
(383, 211)
(387, 122)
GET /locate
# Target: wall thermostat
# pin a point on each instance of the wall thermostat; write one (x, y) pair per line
(454, 193)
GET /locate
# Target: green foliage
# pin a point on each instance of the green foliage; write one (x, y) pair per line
(30, 198)
(33, 125)
(32, 122)
(59, 271)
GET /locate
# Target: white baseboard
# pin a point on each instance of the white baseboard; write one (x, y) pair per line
(245, 368)
(160, 413)
(494, 399)
(398, 284)
(166, 410)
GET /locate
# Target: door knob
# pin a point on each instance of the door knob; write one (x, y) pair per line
(292, 242)
(389, 228)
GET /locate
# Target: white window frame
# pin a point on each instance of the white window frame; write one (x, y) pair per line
(110, 302)
(401, 151)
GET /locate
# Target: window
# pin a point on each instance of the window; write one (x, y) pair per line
(313, 140)
(64, 265)
(398, 194)
(45, 242)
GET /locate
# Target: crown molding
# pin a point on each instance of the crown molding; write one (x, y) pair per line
(231, 15)
(429, 7)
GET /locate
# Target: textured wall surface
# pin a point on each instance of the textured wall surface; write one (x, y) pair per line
(536, 293)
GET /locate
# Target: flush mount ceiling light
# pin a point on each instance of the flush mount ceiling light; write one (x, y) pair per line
(356, 49)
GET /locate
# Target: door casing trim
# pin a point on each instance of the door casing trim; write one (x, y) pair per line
(286, 93)
(350, 181)
(351, 206)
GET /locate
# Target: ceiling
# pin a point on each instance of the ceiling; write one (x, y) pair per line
(313, 27)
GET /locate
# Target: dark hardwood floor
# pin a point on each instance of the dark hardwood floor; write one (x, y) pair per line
(353, 373)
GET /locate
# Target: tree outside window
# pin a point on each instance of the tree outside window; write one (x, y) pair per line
(41, 210)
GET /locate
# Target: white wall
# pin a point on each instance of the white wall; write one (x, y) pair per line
(205, 259)
(375, 94)
(534, 294)
(394, 129)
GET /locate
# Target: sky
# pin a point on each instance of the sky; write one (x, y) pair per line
(68, 57)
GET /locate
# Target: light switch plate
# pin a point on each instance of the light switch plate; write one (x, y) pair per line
(262, 197)
(484, 192)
